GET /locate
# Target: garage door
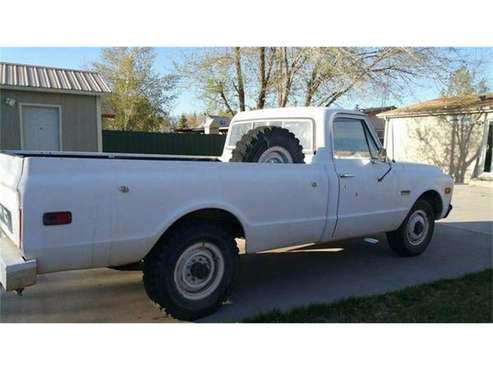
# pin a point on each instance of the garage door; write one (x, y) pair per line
(40, 128)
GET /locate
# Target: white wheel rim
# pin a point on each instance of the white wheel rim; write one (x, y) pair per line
(417, 228)
(199, 270)
(276, 154)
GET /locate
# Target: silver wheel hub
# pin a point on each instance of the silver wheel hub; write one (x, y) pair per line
(276, 154)
(199, 270)
(417, 228)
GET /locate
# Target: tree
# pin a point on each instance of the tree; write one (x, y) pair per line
(194, 120)
(182, 121)
(235, 79)
(289, 62)
(463, 82)
(224, 77)
(266, 64)
(141, 98)
(239, 79)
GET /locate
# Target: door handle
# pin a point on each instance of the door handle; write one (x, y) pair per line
(346, 175)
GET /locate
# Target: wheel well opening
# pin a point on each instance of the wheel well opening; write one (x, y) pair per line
(432, 197)
(225, 218)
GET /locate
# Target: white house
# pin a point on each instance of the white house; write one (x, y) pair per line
(454, 133)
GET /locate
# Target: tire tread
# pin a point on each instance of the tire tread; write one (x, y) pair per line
(253, 140)
(158, 261)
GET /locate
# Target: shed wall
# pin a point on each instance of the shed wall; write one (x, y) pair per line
(79, 122)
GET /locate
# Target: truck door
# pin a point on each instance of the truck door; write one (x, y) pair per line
(366, 205)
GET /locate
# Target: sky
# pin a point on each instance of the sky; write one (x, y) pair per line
(188, 100)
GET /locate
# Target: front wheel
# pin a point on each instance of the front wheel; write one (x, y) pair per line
(190, 272)
(414, 235)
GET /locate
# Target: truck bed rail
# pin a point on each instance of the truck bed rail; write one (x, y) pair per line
(87, 155)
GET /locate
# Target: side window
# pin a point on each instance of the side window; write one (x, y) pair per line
(237, 131)
(351, 139)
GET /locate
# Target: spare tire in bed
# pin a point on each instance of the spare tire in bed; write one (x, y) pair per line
(268, 144)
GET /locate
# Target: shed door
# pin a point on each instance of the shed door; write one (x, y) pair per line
(40, 128)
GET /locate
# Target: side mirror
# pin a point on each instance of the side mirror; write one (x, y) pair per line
(382, 154)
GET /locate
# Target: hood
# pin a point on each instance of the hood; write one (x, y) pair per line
(420, 168)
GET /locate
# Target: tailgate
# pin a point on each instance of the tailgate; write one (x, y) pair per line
(10, 175)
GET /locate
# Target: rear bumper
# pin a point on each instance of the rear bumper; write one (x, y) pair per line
(15, 271)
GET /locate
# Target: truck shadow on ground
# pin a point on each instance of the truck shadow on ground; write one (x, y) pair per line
(280, 279)
(334, 271)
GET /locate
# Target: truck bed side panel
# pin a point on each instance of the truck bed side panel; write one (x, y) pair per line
(83, 187)
(121, 207)
(278, 205)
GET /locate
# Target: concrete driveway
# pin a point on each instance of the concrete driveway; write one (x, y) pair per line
(282, 278)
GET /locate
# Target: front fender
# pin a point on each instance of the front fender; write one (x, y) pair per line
(421, 178)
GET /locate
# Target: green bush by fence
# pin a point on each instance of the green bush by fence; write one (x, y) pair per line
(159, 143)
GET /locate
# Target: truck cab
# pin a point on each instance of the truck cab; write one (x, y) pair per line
(370, 185)
(310, 126)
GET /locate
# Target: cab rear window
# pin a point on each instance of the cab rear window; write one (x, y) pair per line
(301, 128)
(237, 131)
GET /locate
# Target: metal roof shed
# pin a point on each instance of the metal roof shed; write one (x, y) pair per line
(47, 108)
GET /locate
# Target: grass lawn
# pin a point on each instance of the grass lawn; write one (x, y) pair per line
(466, 299)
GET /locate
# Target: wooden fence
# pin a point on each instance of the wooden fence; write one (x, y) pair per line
(159, 143)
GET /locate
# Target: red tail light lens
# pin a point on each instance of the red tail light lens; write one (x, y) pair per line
(57, 218)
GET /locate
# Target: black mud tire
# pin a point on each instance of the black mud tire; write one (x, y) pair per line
(256, 141)
(399, 241)
(159, 267)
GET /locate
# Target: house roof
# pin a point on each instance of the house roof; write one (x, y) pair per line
(376, 110)
(51, 79)
(447, 104)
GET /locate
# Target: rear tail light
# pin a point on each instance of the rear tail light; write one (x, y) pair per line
(57, 218)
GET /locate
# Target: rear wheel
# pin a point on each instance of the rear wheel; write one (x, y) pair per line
(190, 272)
(414, 235)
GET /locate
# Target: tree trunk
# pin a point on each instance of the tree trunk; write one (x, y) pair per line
(226, 103)
(308, 97)
(451, 169)
(263, 82)
(287, 79)
(310, 88)
(239, 77)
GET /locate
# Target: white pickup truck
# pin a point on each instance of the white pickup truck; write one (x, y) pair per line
(181, 216)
